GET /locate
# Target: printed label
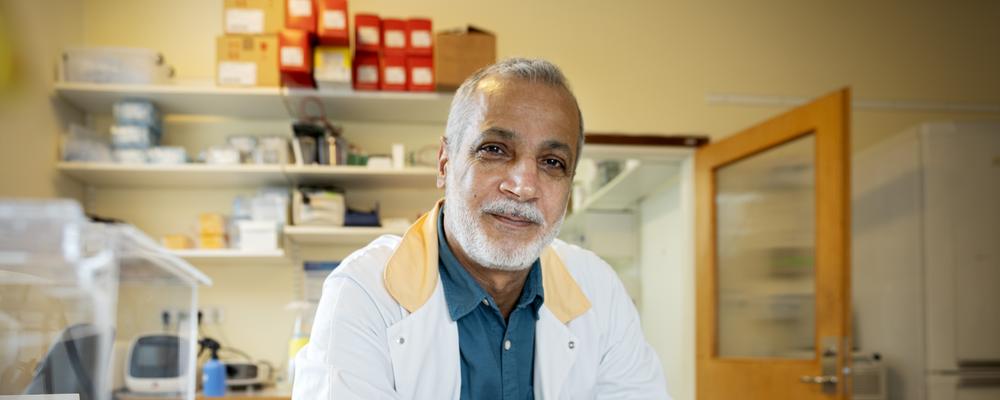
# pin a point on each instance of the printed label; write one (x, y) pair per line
(395, 75)
(300, 8)
(292, 57)
(334, 19)
(423, 76)
(420, 39)
(238, 73)
(395, 39)
(368, 35)
(368, 74)
(244, 20)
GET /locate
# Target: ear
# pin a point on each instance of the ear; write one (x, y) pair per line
(442, 162)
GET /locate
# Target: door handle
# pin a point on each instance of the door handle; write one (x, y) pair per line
(819, 379)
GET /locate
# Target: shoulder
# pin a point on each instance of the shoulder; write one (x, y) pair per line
(363, 270)
(589, 270)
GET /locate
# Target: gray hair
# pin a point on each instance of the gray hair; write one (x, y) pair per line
(465, 104)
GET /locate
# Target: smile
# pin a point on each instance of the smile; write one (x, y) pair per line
(512, 221)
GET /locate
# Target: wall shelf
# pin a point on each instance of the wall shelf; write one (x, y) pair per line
(204, 98)
(230, 255)
(217, 176)
(322, 235)
(636, 180)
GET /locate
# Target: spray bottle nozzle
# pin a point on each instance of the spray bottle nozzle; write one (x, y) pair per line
(212, 346)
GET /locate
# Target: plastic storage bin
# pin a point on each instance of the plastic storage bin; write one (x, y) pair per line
(115, 65)
(82, 307)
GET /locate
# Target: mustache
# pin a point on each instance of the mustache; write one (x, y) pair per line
(511, 208)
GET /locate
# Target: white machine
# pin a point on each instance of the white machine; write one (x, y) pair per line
(926, 260)
(157, 363)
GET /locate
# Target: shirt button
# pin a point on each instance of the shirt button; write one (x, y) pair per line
(572, 345)
(486, 302)
(506, 344)
(401, 340)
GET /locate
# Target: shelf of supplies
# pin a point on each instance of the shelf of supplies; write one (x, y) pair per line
(215, 176)
(362, 177)
(325, 235)
(205, 98)
(230, 255)
(636, 180)
(173, 176)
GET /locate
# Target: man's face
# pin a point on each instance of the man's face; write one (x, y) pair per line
(509, 179)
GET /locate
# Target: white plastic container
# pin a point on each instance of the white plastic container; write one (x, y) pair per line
(115, 65)
(258, 235)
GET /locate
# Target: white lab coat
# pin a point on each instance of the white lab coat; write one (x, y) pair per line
(383, 331)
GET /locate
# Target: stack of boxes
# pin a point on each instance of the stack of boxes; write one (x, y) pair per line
(248, 51)
(306, 43)
(393, 54)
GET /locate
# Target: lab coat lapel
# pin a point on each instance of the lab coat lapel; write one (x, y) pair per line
(425, 354)
(555, 353)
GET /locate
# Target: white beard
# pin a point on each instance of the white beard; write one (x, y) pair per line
(465, 225)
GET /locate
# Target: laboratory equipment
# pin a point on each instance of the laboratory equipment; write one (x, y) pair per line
(115, 65)
(75, 290)
(157, 363)
(214, 371)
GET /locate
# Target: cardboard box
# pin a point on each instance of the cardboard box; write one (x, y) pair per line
(394, 37)
(331, 23)
(393, 73)
(419, 36)
(367, 33)
(295, 58)
(300, 15)
(366, 71)
(253, 17)
(420, 74)
(460, 53)
(332, 67)
(247, 60)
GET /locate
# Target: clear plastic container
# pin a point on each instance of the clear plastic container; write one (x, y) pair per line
(82, 306)
(115, 65)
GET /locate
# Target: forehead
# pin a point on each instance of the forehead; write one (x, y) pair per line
(532, 110)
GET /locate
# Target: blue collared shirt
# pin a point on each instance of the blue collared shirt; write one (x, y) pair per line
(497, 356)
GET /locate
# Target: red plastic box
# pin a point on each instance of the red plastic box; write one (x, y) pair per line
(419, 37)
(393, 73)
(366, 71)
(367, 33)
(300, 15)
(420, 74)
(394, 37)
(295, 60)
(331, 23)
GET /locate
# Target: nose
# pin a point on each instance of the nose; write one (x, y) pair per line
(521, 181)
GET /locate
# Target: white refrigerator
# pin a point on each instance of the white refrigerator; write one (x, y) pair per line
(926, 260)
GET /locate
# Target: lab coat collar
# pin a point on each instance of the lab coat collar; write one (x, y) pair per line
(411, 275)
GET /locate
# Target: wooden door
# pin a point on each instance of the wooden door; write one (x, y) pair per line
(772, 253)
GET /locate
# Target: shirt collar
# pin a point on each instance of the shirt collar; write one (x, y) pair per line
(463, 294)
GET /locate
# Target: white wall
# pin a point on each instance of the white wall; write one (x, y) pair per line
(667, 275)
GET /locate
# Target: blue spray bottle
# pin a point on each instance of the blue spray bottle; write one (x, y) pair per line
(213, 374)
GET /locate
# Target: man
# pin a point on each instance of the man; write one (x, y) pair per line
(477, 299)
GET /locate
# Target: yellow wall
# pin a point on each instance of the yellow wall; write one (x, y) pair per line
(636, 66)
(646, 66)
(30, 120)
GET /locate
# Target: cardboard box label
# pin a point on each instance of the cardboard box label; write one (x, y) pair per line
(368, 35)
(395, 39)
(292, 56)
(395, 75)
(420, 39)
(238, 73)
(244, 20)
(423, 76)
(368, 74)
(300, 8)
(334, 19)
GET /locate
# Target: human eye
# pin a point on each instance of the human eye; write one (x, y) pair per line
(491, 149)
(554, 164)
